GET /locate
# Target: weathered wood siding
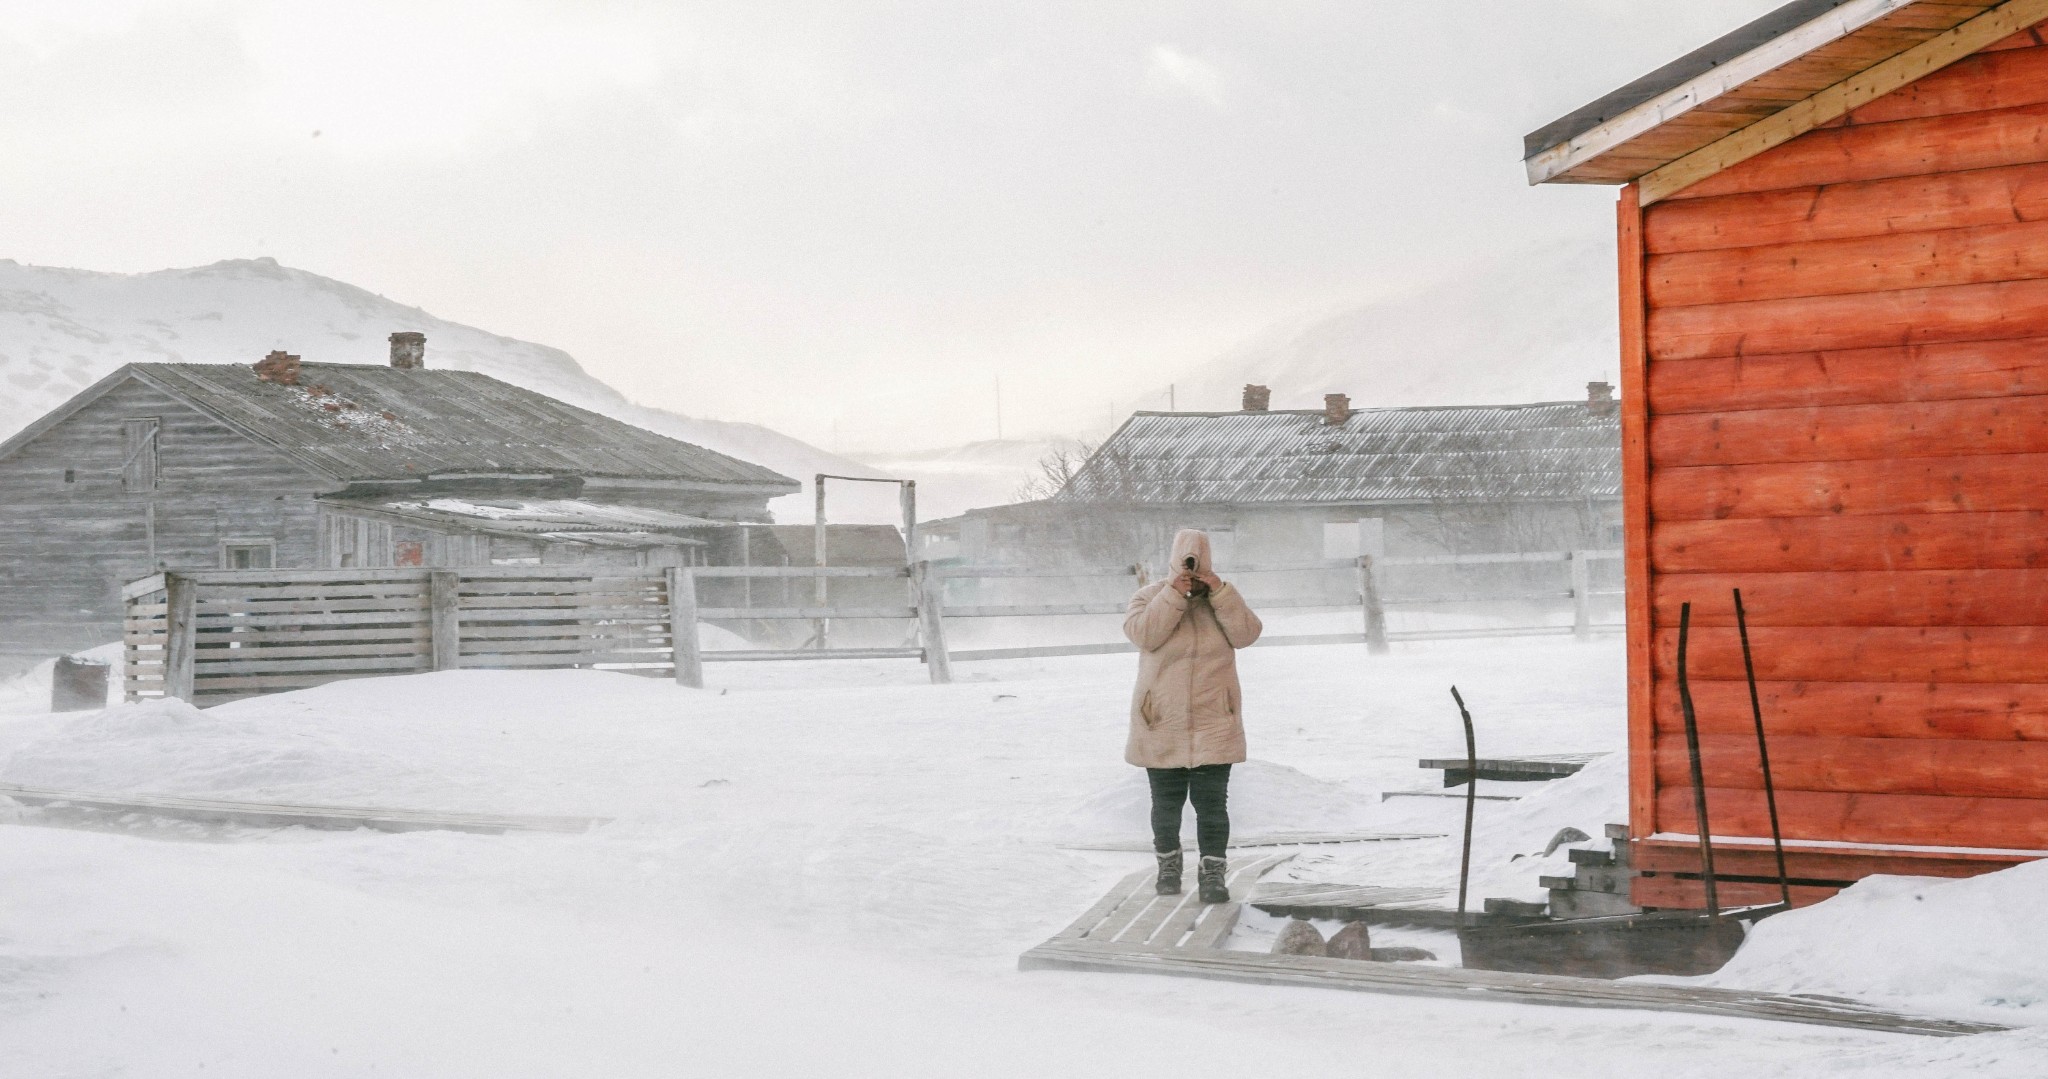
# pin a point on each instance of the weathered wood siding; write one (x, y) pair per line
(67, 547)
(1836, 376)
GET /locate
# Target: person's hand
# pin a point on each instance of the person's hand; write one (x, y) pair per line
(1183, 582)
(1209, 578)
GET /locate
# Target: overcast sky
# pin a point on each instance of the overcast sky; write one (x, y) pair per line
(841, 219)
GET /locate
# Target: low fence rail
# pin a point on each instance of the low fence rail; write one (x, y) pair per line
(218, 635)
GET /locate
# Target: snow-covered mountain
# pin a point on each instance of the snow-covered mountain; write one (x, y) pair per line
(62, 330)
(960, 478)
(1537, 326)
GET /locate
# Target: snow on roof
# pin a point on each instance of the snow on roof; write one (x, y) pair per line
(1386, 455)
(565, 519)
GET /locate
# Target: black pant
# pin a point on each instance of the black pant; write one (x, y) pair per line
(1209, 788)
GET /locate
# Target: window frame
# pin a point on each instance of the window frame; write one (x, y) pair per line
(233, 543)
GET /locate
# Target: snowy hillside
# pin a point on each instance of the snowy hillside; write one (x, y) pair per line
(953, 480)
(62, 330)
(1533, 327)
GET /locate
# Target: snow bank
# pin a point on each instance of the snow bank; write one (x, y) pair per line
(29, 692)
(1940, 945)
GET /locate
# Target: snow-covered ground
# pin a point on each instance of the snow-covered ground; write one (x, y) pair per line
(831, 868)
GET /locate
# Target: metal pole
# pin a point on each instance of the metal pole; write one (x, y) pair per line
(1699, 783)
(1763, 752)
(818, 561)
(1471, 800)
(910, 521)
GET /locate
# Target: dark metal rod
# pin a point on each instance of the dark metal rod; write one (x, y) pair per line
(1471, 800)
(1763, 752)
(1699, 783)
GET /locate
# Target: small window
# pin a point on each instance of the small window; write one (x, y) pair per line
(248, 554)
(139, 454)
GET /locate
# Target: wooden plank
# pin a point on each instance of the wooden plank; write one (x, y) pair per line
(928, 595)
(1636, 523)
(1991, 597)
(1093, 916)
(1942, 372)
(208, 666)
(481, 661)
(182, 594)
(1804, 215)
(1782, 130)
(1214, 924)
(655, 601)
(798, 573)
(618, 585)
(2000, 310)
(684, 642)
(1847, 765)
(1416, 980)
(2010, 251)
(652, 612)
(1993, 712)
(732, 613)
(214, 593)
(1134, 902)
(1806, 863)
(1998, 823)
(1919, 485)
(2001, 540)
(360, 618)
(1864, 654)
(416, 631)
(208, 654)
(1675, 893)
(1995, 79)
(444, 620)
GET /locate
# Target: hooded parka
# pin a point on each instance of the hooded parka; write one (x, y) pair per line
(1188, 710)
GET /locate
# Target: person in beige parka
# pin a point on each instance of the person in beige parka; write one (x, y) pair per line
(1187, 714)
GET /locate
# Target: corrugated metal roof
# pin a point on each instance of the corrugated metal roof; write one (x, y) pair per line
(364, 422)
(1466, 453)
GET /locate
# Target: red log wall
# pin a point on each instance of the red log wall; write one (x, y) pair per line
(1836, 397)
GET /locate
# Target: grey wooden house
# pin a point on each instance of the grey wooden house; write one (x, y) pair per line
(294, 465)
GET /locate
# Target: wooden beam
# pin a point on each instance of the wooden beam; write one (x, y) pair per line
(1836, 101)
(1635, 513)
(444, 589)
(181, 594)
(682, 621)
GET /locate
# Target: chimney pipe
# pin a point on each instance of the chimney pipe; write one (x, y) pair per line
(1600, 397)
(1336, 409)
(279, 367)
(1257, 398)
(408, 350)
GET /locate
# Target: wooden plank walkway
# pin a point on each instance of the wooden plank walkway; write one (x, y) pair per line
(1277, 839)
(1429, 907)
(1133, 914)
(268, 815)
(1070, 953)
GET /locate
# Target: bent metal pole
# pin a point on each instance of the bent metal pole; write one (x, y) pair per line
(1692, 749)
(1471, 800)
(1763, 752)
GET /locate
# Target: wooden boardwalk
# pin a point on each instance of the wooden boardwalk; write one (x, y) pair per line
(1430, 907)
(1524, 769)
(1279, 839)
(268, 815)
(1133, 931)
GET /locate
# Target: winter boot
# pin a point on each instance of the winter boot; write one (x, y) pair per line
(1211, 879)
(1169, 873)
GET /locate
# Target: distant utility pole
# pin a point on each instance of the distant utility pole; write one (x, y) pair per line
(1171, 406)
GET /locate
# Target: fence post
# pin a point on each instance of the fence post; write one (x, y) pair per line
(444, 618)
(682, 627)
(181, 615)
(929, 590)
(1375, 611)
(1582, 600)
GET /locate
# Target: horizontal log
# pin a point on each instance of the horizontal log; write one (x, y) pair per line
(1917, 485)
(637, 612)
(1972, 769)
(602, 631)
(206, 654)
(1864, 654)
(1942, 372)
(511, 661)
(2010, 540)
(652, 601)
(1677, 893)
(628, 586)
(1803, 215)
(1906, 819)
(1995, 79)
(1990, 712)
(572, 645)
(2014, 251)
(1986, 312)
(1990, 597)
(1852, 432)
(225, 624)
(1919, 147)
(737, 613)
(241, 607)
(417, 631)
(1806, 863)
(372, 590)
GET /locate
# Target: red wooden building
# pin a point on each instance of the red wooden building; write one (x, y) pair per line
(1833, 235)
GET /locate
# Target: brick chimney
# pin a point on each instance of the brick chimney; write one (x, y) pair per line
(1336, 409)
(408, 350)
(1257, 398)
(279, 367)
(1600, 397)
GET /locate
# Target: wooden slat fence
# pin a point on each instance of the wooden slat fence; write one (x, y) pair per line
(218, 635)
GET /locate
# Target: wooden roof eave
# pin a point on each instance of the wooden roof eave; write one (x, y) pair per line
(1626, 147)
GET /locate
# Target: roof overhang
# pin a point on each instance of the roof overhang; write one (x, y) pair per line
(1805, 64)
